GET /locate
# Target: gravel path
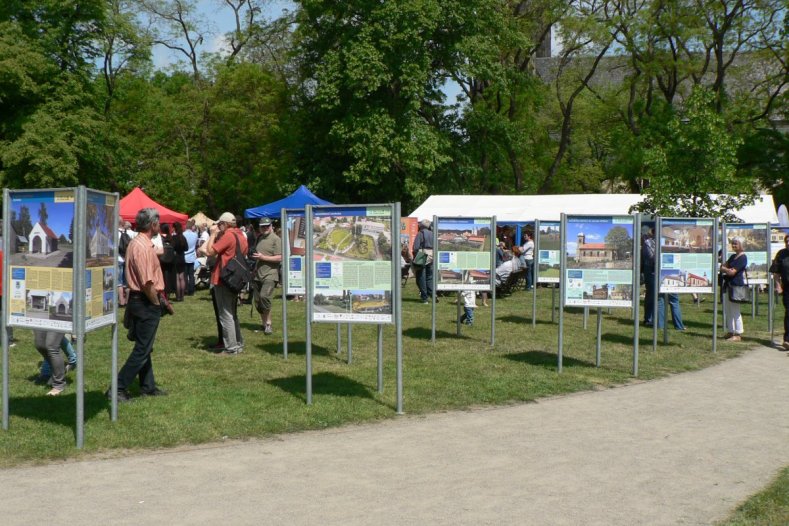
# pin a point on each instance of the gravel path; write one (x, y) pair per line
(682, 450)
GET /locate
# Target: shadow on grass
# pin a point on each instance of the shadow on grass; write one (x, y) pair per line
(687, 323)
(424, 333)
(765, 341)
(627, 339)
(204, 343)
(322, 384)
(525, 319)
(252, 326)
(61, 410)
(546, 359)
(296, 348)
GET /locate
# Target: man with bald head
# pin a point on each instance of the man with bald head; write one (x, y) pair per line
(144, 308)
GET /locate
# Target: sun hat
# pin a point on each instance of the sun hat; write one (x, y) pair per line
(227, 217)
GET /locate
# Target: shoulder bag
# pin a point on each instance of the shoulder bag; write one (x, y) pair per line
(423, 256)
(236, 274)
(740, 293)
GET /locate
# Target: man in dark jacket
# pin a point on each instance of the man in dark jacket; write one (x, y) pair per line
(424, 273)
(780, 270)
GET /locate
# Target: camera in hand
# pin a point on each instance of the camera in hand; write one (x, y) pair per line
(167, 307)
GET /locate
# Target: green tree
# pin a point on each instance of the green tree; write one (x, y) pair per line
(43, 215)
(367, 84)
(619, 239)
(51, 133)
(697, 159)
(22, 224)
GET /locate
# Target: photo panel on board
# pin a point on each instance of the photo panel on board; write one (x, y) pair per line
(295, 231)
(41, 259)
(757, 247)
(463, 255)
(549, 256)
(686, 255)
(599, 265)
(352, 264)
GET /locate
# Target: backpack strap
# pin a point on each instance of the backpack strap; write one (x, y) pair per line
(238, 252)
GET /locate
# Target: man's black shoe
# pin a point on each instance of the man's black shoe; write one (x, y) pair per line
(156, 392)
(123, 395)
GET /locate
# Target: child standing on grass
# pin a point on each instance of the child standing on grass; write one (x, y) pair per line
(469, 304)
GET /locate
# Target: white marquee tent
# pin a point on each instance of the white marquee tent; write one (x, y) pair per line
(518, 208)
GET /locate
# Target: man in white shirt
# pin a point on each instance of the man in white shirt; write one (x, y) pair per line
(125, 235)
(190, 256)
(528, 258)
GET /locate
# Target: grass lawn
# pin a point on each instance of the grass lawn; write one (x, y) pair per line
(259, 393)
(769, 507)
(340, 238)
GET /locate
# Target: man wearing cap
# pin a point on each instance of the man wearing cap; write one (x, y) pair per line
(222, 242)
(268, 256)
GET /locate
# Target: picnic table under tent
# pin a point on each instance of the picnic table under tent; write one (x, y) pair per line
(297, 200)
(519, 208)
(136, 200)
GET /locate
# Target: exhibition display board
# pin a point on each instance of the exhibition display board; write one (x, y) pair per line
(463, 260)
(757, 248)
(39, 249)
(409, 228)
(685, 263)
(294, 247)
(60, 272)
(548, 251)
(352, 265)
(599, 264)
(599, 268)
(547, 262)
(100, 259)
(685, 255)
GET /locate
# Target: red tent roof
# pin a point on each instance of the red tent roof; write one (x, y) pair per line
(137, 200)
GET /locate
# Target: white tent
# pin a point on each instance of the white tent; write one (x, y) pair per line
(518, 208)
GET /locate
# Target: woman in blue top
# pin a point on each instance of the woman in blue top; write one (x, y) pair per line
(732, 272)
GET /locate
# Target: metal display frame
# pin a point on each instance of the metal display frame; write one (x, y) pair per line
(491, 290)
(396, 296)
(553, 284)
(285, 213)
(659, 267)
(783, 232)
(635, 296)
(79, 310)
(753, 286)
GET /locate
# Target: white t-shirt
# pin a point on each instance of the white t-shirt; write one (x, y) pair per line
(528, 249)
(504, 270)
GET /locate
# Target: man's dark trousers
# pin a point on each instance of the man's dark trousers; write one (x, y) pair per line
(785, 297)
(145, 316)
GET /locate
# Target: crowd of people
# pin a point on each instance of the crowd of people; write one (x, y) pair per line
(157, 264)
